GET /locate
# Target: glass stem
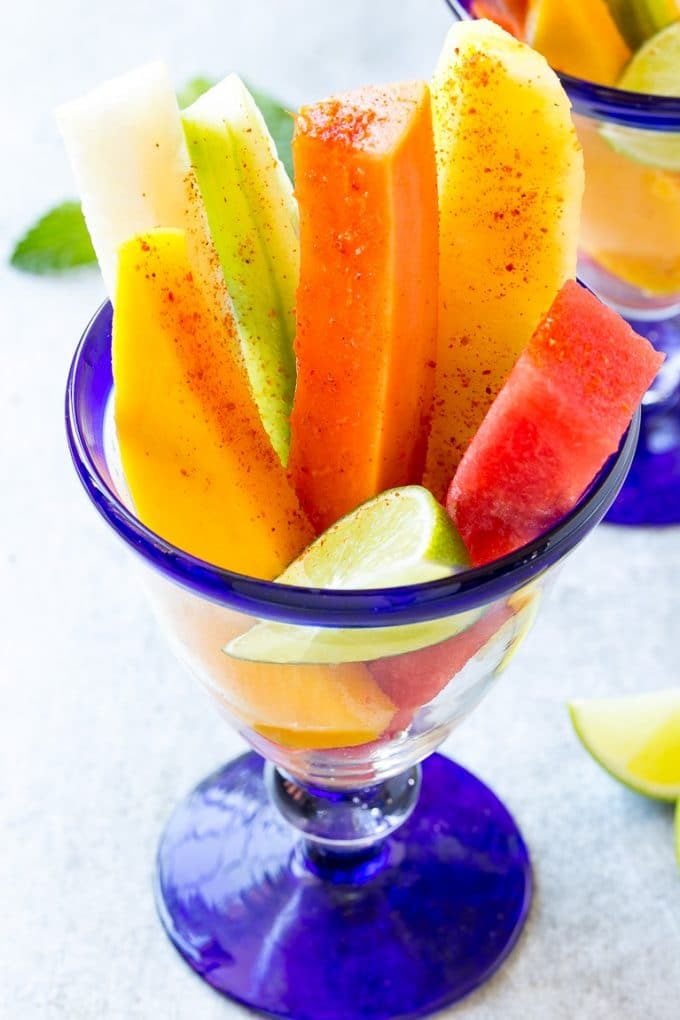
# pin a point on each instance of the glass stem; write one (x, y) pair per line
(344, 831)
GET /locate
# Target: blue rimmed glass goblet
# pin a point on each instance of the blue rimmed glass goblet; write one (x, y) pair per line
(630, 257)
(331, 875)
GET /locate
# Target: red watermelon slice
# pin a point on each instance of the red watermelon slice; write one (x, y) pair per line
(561, 413)
(413, 679)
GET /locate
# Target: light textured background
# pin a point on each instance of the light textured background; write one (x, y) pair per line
(102, 732)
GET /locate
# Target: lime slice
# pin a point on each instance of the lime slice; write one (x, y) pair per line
(654, 70)
(401, 537)
(677, 833)
(635, 738)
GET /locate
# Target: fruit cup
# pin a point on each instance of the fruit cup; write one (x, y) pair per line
(630, 257)
(328, 873)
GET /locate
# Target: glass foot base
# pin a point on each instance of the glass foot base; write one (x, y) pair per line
(415, 929)
(651, 492)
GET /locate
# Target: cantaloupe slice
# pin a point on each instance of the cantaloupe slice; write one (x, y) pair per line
(253, 221)
(196, 458)
(366, 304)
(510, 174)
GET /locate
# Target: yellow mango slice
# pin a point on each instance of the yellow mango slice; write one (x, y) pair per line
(300, 706)
(510, 177)
(197, 461)
(579, 38)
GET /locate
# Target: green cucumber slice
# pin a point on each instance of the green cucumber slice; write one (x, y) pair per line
(253, 220)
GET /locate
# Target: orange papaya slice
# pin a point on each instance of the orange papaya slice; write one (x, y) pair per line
(367, 300)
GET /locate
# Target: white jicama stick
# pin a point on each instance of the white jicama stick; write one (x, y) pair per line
(127, 149)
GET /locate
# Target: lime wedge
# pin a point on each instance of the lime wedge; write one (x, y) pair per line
(403, 536)
(655, 70)
(400, 537)
(677, 833)
(635, 738)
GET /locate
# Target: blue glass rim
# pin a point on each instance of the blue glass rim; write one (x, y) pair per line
(602, 102)
(90, 378)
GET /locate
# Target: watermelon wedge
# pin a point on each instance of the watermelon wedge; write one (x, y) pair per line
(561, 413)
(413, 679)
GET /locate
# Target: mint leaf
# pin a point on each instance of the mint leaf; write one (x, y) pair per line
(280, 124)
(193, 90)
(57, 242)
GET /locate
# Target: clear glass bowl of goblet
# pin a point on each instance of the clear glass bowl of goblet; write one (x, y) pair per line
(341, 868)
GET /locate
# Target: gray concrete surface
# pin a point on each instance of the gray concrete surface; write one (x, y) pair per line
(101, 732)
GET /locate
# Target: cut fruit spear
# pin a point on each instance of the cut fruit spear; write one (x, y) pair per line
(579, 37)
(510, 175)
(197, 461)
(413, 679)
(366, 304)
(509, 14)
(253, 221)
(561, 413)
